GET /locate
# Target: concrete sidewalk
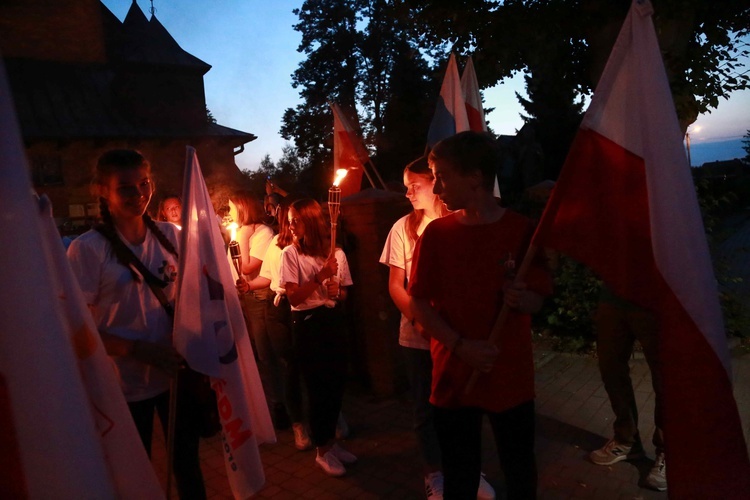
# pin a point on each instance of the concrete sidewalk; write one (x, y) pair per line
(573, 418)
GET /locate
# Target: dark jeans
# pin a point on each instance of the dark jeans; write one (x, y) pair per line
(419, 371)
(320, 349)
(269, 365)
(460, 434)
(187, 468)
(279, 327)
(617, 328)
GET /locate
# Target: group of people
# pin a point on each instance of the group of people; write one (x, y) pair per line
(452, 264)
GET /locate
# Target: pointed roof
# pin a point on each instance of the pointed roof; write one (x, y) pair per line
(141, 41)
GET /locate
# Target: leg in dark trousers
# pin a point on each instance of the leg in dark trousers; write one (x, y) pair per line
(514, 437)
(186, 464)
(319, 343)
(614, 346)
(459, 432)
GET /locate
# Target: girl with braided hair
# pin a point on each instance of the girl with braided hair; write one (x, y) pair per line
(126, 267)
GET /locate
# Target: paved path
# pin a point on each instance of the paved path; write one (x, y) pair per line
(573, 418)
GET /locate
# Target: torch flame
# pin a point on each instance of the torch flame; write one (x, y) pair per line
(340, 174)
(232, 227)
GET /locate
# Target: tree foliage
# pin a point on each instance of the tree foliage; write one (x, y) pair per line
(358, 55)
(564, 45)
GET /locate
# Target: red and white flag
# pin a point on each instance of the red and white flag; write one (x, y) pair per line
(625, 205)
(57, 424)
(474, 108)
(450, 113)
(349, 152)
(473, 99)
(210, 333)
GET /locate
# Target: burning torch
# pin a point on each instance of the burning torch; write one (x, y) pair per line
(334, 204)
(234, 250)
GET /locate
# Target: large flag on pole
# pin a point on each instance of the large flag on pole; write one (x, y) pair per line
(474, 108)
(52, 445)
(349, 152)
(211, 335)
(625, 205)
(450, 113)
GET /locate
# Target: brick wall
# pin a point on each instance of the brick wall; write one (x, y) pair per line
(366, 219)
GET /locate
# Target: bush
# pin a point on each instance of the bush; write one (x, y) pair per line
(567, 315)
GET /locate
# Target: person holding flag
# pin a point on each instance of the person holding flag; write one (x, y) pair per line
(126, 268)
(463, 273)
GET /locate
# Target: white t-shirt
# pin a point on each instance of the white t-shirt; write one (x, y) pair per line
(126, 308)
(398, 252)
(298, 268)
(272, 264)
(258, 243)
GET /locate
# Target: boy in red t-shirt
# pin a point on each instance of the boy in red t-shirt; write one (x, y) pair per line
(462, 275)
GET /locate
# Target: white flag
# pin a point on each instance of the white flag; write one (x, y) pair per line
(51, 447)
(210, 333)
(131, 469)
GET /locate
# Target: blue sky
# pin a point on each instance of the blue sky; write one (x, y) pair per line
(252, 48)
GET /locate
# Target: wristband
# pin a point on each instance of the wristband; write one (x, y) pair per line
(317, 280)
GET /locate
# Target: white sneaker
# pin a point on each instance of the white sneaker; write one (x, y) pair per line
(433, 486)
(301, 439)
(657, 478)
(342, 428)
(345, 457)
(330, 464)
(614, 452)
(485, 491)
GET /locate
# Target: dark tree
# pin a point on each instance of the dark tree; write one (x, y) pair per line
(357, 53)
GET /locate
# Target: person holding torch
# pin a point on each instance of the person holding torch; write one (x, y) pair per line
(315, 275)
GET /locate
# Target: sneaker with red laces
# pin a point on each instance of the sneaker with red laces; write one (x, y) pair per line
(345, 457)
(330, 464)
(614, 452)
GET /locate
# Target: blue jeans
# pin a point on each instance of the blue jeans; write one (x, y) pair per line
(419, 372)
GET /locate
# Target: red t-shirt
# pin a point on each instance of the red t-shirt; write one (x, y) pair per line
(461, 270)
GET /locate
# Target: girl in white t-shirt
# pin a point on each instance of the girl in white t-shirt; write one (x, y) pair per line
(315, 284)
(254, 238)
(135, 326)
(397, 254)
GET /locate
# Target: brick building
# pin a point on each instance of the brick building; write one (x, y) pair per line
(83, 82)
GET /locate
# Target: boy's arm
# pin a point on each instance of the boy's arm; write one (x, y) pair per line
(478, 354)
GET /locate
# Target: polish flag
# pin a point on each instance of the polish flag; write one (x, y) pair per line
(450, 114)
(473, 99)
(349, 152)
(61, 408)
(474, 108)
(625, 205)
(210, 333)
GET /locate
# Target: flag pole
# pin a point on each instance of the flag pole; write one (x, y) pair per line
(369, 161)
(497, 328)
(170, 432)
